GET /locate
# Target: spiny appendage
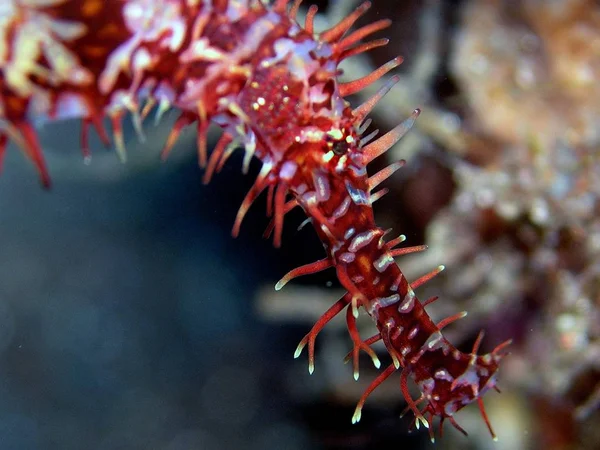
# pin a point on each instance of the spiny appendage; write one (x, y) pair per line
(413, 405)
(268, 179)
(187, 118)
(23, 134)
(350, 301)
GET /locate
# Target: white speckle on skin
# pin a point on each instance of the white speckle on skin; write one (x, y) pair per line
(383, 262)
(384, 302)
(450, 409)
(341, 210)
(468, 378)
(397, 332)
(349, 233)
(341, 164)
(321, 186)
(413, 332)
(328, 156)
(347, 257)
(361, 240)
(443, 374)
(390, 324)
(396, 284)
(358, 196)
(310, 198)
(434, 340)
(288, 170)
(427, 385)
(408, 303)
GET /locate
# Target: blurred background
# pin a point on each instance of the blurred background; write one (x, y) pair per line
(129, 318)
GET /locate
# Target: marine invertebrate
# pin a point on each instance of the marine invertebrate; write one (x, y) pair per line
(272, 86)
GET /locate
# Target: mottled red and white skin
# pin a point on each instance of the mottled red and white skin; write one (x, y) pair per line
(272, 85)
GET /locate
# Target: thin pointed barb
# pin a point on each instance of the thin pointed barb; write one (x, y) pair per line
(307, 269)
(257, 188)
(384, 174)
(358, 345)
(368, 342)
(448, 320)
(385, 142)
(362, 111)
(150, 103)
(430, 300)
(354, 307)
(26, 137)
(118, 136)
(407, 408)
(288, 207)
(374, 384)
(368, 138)
(410, 402)
(364, 126)
(304, 223)
(249, 151)
(280, 6)
(362, 33)
(457, 426)
(202, 130)
(378, 195)
(100, 129)
(352, 87)
(182, 121)
(201, 139)
(425, 278)
(486, 419)
(222, 144)
(309, 24)
(294, 9)
(270, 199)
(396, 241)
(408, 250)
(163, 106)
(431, 429)
(477, 343)
(362, 48)
(279, 213)
(311, 336)
(136, 119)
(226, 154)
(337, 31)
(502, 346)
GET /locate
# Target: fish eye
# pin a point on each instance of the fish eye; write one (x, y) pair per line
(340, 147)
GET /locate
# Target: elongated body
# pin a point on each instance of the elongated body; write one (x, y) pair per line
(272, 86)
